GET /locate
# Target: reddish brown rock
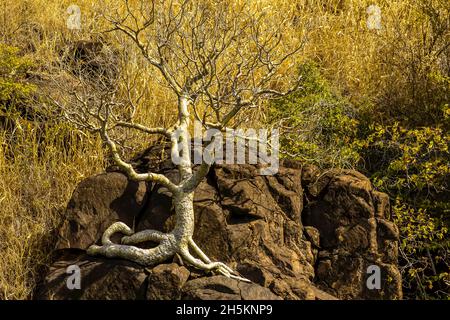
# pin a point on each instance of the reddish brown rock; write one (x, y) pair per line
(101, 279)
(96, 203)
(300, 234)
(351, 218)
(223, 288)
(166, 281)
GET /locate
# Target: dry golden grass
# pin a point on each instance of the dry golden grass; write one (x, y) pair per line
(40, 167)
(33, 193)
(37, 179)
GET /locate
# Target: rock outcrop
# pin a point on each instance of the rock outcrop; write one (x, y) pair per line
(300, 234)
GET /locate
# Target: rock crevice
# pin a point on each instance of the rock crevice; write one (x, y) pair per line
(301, 234)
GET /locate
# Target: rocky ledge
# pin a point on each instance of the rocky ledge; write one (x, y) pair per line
(303, 233)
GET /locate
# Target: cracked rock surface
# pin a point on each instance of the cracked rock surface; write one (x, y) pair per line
(300, 234)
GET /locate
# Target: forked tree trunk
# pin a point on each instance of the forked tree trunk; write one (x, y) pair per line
(179, 240)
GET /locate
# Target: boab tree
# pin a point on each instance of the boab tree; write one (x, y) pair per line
(219, 59)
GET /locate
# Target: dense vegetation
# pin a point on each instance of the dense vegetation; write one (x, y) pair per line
(373, 100)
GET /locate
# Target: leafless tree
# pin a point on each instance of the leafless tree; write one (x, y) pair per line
(219, 59)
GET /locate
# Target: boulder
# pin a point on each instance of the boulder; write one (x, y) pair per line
(352, 220)
(96, 203)
(303, 233)
(166, 281)
(223, 288)
(115, 279)
(101, 279)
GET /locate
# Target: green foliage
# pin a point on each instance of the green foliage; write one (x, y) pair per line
(411, 164)
(424, 249)
(408, 161)
(417, 226)
(14, 89)
(413, 167)
(318, 125)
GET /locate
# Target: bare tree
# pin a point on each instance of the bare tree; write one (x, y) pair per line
(218, 59)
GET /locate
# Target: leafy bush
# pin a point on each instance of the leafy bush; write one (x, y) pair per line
(318, 124)
(424, 252)
(13, 89)
(413, 167)
(408, 161)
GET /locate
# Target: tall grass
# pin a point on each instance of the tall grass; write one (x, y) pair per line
(36, 180)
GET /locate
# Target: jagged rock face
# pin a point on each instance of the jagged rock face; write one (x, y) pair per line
(114, 279)
(300, 234)
(354, 231)
(96, 203)
(351, 219)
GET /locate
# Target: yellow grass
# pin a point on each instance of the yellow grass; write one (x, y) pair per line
(33, 193)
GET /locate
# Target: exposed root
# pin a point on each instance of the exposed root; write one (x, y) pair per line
(218, 266)
(199, 251)
(114, 228)
(145, 257)
(168, 246)
(207, 265)
(143, 236)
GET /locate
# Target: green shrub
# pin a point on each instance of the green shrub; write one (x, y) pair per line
(410, 164)
(408, 161)
(14, 89)
(413, 167)
(317, 124)
(424, 252)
